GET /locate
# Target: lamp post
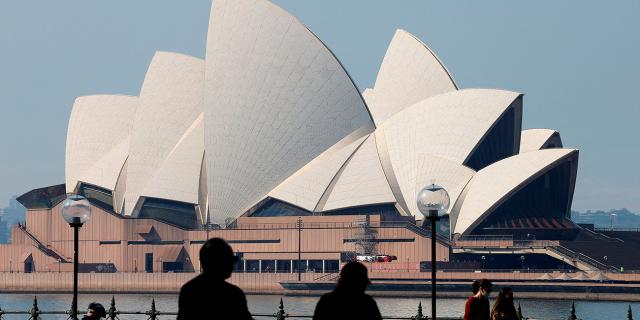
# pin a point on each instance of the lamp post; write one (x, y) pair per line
(76, 211)
(483, 258)
(299, 226)
(433, 202)
(522, 262)
(612, 216)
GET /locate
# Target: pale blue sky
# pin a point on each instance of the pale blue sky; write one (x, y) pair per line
(576, 61)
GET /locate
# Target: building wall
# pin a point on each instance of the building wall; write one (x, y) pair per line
(108, 238)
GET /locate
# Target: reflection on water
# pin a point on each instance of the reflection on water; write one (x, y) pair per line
(399, 307)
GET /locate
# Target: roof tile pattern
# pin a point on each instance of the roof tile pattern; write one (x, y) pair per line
(276, 98)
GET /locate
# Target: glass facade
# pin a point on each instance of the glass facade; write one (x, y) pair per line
(540, 209)
(386, 210)
(277, 208)
(98, 196)
(499, 143)
(173, 212)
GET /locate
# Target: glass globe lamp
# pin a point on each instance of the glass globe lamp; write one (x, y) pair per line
(433, 201)
(76, 210)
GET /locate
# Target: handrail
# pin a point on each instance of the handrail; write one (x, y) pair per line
(580, 256)
(41, 246)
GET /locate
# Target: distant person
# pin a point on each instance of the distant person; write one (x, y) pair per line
(503, 309)
(208, 295)
(348, 301)
(477, 306)
(95, 311)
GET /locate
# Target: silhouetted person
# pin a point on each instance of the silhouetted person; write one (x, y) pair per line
(477, 306)
(475, 287)
(209, 296)
(503, 309)
(95, 311)
(348, 300)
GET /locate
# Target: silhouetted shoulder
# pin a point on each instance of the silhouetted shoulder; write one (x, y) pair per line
(338, 305)
(203, 292)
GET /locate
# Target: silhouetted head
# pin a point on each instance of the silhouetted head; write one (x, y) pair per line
(475, 286)
(95, 311)
(504, 301)
(353, 277)
(217, 258)
(485, 287)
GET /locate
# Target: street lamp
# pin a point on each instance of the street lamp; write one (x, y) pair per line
(483, 258)
(612, 216)
(522, 262)
(76, 210)
(299, 226)
(433, 202)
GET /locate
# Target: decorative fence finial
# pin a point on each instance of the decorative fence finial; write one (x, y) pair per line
(112, 313)
(280, 315)
(35, 311)
(419, 315)
(153, 313)
(573, 316)
(520, 317)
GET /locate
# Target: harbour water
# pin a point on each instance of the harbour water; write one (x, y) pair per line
(267, 304)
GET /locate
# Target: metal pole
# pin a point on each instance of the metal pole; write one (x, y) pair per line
(74, 302)
(433, 218)
(299, 245)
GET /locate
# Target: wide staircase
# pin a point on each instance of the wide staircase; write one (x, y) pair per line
(607, 249)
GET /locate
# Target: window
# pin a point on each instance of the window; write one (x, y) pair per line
(268, 266)
(315, 266)
(283, 266)
(300, 265)
(331, 266)
(252, 266)
(239, 265)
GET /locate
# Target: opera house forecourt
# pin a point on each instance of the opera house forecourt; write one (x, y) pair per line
(267, 143)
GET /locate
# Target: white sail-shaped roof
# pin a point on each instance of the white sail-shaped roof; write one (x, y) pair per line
(537, 139)
(305, 187)
(449, 125)
(494, 184)
(276, 98)
(171, 99)
(410, 72)
(361, 181)
(98, 139)
(178, 178)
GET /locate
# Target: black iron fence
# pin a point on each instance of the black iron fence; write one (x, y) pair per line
(153, 313)
(280, 314)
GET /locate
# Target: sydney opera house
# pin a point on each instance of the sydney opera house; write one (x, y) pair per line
(268, 143)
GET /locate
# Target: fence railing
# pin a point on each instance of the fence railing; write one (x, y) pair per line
(154, 314)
